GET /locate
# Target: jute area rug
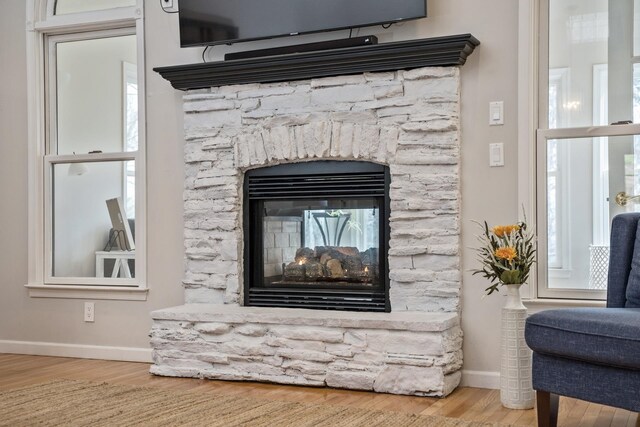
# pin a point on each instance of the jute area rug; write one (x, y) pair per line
(79, 403)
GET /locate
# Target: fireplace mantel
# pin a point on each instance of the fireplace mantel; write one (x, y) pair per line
(430, 52)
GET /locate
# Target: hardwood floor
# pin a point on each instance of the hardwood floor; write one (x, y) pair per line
(465, 403)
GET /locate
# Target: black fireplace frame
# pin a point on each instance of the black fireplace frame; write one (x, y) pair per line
(353, 179)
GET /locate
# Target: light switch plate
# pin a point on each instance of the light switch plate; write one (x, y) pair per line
(496, 154)
(496, 113)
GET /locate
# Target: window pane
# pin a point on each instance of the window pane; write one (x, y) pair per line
(327, 241)
(582, 46)
(583, 177)
(636, 27)
(97, 95)
(73, 6)
(83, 224)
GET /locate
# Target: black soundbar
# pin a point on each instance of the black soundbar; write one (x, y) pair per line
(306, 47)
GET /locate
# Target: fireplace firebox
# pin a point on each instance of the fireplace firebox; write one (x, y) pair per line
(316, 236)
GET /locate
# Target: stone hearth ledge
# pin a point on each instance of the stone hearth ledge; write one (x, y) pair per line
(415, 353)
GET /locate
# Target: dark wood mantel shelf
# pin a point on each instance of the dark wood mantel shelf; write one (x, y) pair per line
(402, 55)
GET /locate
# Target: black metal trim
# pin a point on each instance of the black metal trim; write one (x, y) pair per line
(384, 260)
(321, 297)
(343, 185)
(436, 51)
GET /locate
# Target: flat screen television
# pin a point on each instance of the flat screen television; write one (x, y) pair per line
(209, 22)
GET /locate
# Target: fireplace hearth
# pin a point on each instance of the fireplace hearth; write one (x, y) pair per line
(316, 236)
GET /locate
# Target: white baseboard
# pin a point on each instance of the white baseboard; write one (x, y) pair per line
(128, 354)
(480, 379)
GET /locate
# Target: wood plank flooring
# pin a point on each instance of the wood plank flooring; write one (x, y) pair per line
(465, 403)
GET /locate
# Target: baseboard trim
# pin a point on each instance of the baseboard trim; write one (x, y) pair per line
(127, 354)
(480, 379)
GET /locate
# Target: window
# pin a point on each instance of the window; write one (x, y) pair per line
(588, 143)
(87, 149)
(63, 7)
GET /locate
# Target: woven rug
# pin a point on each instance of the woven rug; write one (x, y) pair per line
(79, 403)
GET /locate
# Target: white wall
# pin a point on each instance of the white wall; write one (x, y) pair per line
(488, 193)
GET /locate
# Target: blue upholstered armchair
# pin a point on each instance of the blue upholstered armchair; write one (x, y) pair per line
(593, 354)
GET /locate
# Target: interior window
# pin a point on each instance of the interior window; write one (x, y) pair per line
(93, 150)
(593, 82)
(87, 189)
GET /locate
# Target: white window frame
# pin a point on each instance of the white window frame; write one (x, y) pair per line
(44, 29)
(543, 136)
(533, 81)
(128, 70)
(561, 268)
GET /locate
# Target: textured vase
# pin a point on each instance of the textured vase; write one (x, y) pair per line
(516, 391)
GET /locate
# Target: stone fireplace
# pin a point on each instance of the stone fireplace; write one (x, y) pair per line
(403, 124)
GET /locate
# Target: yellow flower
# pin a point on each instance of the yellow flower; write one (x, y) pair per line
(508, 253)
(504, 230)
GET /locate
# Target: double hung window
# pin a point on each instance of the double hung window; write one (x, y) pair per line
(588, 139)
(87, 146)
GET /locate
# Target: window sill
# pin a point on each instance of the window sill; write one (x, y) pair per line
(538, 304)
(87, 292)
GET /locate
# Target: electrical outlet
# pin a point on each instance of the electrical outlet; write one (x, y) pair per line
(89, 311)
(169, 5)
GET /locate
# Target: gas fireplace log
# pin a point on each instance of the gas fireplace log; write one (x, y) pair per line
(314, 271)
(294, 271)
(304, 254)
(335, 268)
(327, 263)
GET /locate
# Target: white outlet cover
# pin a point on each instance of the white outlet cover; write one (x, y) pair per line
(89, 311)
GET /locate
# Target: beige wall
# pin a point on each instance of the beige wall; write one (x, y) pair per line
(488, 193)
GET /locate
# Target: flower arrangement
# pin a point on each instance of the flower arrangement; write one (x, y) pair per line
(507, 253)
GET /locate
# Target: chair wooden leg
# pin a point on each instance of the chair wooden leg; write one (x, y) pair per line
(547, 409)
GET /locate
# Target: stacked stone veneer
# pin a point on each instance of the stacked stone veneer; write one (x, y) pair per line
(394, 353)
(408, 120)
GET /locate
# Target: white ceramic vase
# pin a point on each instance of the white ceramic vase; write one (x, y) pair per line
(516, 391)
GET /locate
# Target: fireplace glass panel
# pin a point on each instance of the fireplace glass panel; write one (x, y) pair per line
(322, 243)
(316, 236)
